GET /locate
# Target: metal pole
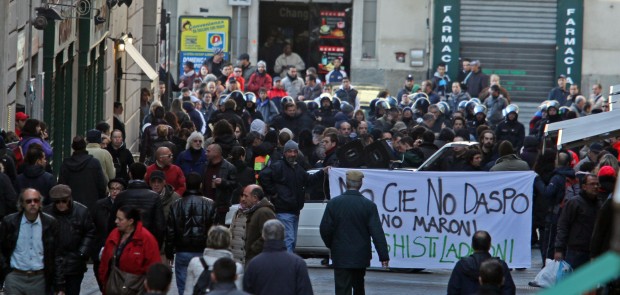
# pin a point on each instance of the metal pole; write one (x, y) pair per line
(29, 92)
(168, 66)
(238, 49)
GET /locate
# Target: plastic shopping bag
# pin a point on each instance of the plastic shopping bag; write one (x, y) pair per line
(553, 272)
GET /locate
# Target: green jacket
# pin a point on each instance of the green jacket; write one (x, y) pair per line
(349, 222)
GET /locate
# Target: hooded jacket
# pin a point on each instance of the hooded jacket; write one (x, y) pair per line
(36, 177)
(327, 114)
(83, 173)
(510, 163)
(464, 277)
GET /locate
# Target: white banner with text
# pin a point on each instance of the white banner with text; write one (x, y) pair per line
(429, 218)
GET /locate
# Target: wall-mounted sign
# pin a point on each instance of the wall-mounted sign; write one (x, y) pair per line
(569, 40)
(446, 35)
(200, 37)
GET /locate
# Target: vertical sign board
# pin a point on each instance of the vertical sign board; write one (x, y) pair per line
(200, 37)
(446, 35)
(569, 40)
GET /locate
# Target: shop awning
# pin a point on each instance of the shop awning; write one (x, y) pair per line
(583, 130)
(142, 63)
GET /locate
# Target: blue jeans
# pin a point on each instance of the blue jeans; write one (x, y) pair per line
(181, 261)
(291, 222)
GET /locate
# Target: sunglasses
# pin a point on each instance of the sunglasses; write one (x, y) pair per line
(32, 201)
(197, 140)
(64, 201)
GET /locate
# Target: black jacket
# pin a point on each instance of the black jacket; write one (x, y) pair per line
(464, 277)
(77, 236)
(101, 218)
(601, 235)
(576, 223)
(36, 177)
(275, 261)
(233, 118)
(348, 224)
(8, 196)
(122, 158)
(282, 121)
(188, 223)
(512, 131)
(223, 192)
(52, 260)
(286, 185)
(139, 195)
(84, 175)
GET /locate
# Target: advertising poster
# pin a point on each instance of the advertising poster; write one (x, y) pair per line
(333, 38)
(200, 37)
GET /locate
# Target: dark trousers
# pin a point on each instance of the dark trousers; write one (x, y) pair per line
(576, 258)
(73, 284)
(96, 264)
(349, 281)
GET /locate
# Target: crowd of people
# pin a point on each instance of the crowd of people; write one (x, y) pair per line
(238, 135)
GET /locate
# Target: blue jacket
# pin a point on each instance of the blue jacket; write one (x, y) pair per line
(187, 163)
(275, 271)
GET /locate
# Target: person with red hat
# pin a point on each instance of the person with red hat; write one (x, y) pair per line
(20, 121)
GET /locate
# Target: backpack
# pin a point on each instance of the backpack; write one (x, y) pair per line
(18, 152)
(203, 284)
(571, 189)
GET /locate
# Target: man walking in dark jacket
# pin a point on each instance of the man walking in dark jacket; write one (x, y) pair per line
(218, 182)
(189, 221)
(275, 271)
(83, 174)
(139, 195)
(34, 175)
(349, 222)
(464, 277)
(285, 181)
(121, 156)
(576, 224)
(77, 235)
(30, 259)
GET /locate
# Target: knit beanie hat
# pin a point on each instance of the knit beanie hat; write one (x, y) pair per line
(290, 145)
(259, 126)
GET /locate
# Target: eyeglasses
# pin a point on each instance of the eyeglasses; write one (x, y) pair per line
(32, 201)
(197, 140)
(63, 201)
(165, 156)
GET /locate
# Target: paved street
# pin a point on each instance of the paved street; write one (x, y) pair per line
(380, 281)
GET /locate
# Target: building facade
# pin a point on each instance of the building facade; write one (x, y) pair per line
(527, 42)
(78, 70)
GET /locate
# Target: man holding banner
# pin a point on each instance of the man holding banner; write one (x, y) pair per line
(349, 222)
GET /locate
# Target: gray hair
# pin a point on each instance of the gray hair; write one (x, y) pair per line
(262, 63)
(219, 237)
(20, 199)
(210, 78)
(354, 185)
(273, 229)
(191, 137)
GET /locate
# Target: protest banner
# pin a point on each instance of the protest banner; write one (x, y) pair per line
(429, 217)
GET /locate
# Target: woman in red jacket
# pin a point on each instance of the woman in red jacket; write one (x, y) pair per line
(129, 246)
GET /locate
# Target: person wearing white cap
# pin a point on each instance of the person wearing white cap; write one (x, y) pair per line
(285, 182)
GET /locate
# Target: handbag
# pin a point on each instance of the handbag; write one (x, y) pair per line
(124, 283)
